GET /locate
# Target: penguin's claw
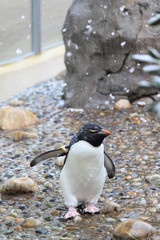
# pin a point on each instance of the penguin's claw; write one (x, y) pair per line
(91, 209)
(72, 212)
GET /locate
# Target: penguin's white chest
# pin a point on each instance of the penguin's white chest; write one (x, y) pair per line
(83, 175)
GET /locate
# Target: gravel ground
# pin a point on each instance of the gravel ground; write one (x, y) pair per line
(133, 146)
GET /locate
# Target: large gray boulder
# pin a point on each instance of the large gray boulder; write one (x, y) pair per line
(100, 38)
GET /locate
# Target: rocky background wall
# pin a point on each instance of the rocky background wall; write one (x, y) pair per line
(100, 38)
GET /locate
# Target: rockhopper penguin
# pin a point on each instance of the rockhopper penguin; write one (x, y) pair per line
(83, 175)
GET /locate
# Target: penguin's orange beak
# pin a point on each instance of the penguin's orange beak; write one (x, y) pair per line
(105, 132)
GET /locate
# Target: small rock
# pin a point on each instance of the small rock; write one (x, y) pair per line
(110, 220)
(3, 202)
(56, 229)
(22, 207)
(60, 161)
(35, 176)
(122, 104)
(16, 102)
(19, 185)
(77, 219)
(48, 175)
(128, 177)
(13, 214)
(133, 229)
(20, 135)
(40, 197)
(8, 232)
(16, 118)
(55, 213)
(49, 204)
(40, 181)
(137, 179)
(19, 220)
(18, 229)
(111, 207)
(158, 206)
(48, 219)
(48, 184)
(153, 201)
(41, 231)
(38, 204)
(158, 218)
(144, 218)
(46, 190)
(142, 201)
(152, 210)
(8, 218)
(32, 223)
(3, 210)
(155, 179)
(156, 97)
(143, 101)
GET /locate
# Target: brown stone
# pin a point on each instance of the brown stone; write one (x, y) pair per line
(19, 185)
(32, 223)
(111, 207)
(2, 210)
(122, 104)
(55, 213)
(18, 229)
(20, 135)
(8, 218)
(133, 229)
(16, 118)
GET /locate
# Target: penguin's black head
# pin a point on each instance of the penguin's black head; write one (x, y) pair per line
(92, 133)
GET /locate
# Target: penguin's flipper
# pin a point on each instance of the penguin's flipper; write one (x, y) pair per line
(53, 153)
(109, 165)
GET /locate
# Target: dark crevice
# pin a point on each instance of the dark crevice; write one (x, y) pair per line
(144, 5)
(108, 72)
(133, 97)
(141, 12)
(124, 62)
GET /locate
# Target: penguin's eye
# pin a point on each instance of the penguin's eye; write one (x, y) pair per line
(93, 130)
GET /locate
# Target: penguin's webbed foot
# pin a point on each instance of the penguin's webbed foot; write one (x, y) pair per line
(90, 208)
(72, 212)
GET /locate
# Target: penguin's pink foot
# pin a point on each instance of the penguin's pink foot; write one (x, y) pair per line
(90, 208)
(72, 212)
